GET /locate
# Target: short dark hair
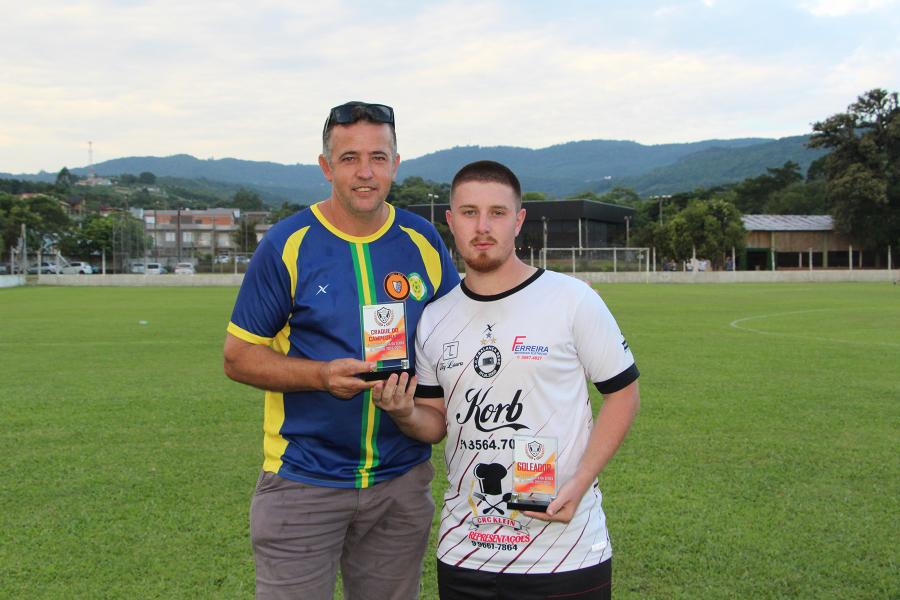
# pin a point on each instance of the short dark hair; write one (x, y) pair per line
(488, 171)
(358, 111)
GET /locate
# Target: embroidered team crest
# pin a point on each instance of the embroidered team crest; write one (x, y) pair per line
(417, 287)
(535, 450)
(384, 316)
(487, 361)
(396, 285)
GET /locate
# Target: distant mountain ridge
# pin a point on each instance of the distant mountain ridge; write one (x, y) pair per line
(560, 170)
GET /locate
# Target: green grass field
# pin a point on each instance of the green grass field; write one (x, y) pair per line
(764, 462)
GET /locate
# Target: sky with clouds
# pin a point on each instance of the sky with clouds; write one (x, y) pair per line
(255, 80)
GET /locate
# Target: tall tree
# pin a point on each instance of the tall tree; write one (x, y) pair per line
(244, 236)
(711, 228)
(415, 190)
(754, 193)
(64, 180)
(119, 235)
(863, 168)
(245, 200)
(286, 210)
(44, 219)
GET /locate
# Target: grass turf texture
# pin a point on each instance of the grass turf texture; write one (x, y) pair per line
(764, 462)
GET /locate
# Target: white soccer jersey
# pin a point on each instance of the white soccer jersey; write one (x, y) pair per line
(509, 364)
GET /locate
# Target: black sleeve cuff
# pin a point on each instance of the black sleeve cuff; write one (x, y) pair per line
(429, 391)
(618, 382)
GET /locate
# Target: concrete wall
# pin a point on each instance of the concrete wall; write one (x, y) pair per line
(11, 280)
(168, 280)
(225, 280)
(798, 276)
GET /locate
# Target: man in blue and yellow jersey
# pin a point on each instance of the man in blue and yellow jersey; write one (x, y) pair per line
(333, 293)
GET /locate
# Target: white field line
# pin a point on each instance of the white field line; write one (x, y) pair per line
(736, 325)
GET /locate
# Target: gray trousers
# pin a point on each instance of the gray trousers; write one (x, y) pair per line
(378, 535)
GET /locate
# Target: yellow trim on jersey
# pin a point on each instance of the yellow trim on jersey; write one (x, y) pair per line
(368, 298)
(366, 471)
(245, 335)
(289, 256)
(274, 446)
(430, 256)
(352, 238)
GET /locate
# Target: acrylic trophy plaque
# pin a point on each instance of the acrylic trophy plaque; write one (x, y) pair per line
(534, 473)
(385, 339)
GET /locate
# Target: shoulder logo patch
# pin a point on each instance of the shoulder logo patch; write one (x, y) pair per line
(417, 287)
(396, 285)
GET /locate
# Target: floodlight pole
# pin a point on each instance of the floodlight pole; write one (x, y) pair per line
(431, 198)
(544, 248)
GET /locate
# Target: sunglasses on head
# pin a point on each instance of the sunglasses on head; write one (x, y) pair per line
(351, 112)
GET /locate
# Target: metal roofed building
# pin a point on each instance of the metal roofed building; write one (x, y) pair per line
(570, 223)
(792, 240)
(788, 222)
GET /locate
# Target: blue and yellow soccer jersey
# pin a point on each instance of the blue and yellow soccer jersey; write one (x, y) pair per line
(303, 295)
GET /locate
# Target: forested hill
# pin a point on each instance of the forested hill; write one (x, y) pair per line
(560, 170)
(718, 165)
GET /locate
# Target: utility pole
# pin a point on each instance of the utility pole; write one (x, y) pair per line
(178, 235)
(24, 251)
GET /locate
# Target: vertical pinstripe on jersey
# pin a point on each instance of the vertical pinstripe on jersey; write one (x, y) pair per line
(365, 282)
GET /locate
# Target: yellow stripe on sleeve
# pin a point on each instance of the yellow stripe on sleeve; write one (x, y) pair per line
(289, 256)
(274, 446)
(245, 335)
(430, 256)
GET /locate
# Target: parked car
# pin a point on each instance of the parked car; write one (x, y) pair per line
(77, 267)
(137, 268)
(184, 268)
(242, 259)
(223, 259)
(46, 268)
(154, 268)
(4, 269)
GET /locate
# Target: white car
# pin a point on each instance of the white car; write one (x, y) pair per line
(154, 268)
(47, 268)
(138, 268)
(184, 268)
(77, 268)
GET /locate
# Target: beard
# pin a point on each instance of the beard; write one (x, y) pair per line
(483, 263)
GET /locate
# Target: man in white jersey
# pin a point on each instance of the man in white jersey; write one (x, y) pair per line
(502, 359)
